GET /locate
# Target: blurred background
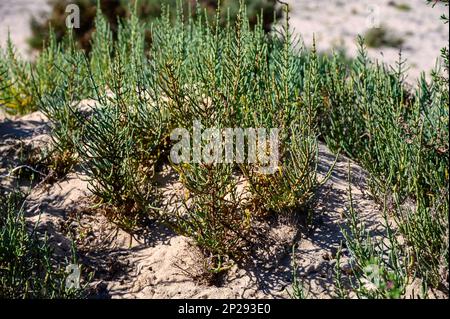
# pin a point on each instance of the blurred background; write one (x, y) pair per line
(389, 26)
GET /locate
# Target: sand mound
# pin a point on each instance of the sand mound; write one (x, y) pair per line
(157, 263)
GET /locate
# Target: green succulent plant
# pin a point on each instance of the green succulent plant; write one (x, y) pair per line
(233, 74)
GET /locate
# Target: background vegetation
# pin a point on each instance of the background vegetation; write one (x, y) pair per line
(147, 11)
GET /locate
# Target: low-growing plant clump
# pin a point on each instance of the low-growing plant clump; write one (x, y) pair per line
(28, 266)
(382, 36)
(400, 6)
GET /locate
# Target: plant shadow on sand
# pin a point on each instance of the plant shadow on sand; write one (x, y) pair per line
(154, 262)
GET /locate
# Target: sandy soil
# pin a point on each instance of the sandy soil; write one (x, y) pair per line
(14, 18)
(157, 263)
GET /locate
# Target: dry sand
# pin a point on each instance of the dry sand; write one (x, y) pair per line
(160, 264)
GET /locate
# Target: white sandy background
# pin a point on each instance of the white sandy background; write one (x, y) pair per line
(337, 23)
(15, 17)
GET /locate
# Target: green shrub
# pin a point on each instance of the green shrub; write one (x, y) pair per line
(120, 147)
(213, 214)
(28, 268)
(382, 37)
(235, 75)
(400, 6)
(122, 140)
(425, 229)
(147, 10)
(401, 137)
(378, 267)
(293, 184)
(16, 96)
(412, 245)
(24, 83)
(60, 79)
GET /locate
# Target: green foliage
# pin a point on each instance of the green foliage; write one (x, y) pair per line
(60, 80)
(299, 290)
(401, 138)
(213, 213)
(120, 145)
(382, 37)
(425, 229)
(28, 268)
(400, 6)
(380, 267)
(237, 77)
(24, 83)
(414, 245)
(292, 186)
(147, 11)
(232, 74)
(16, 95)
